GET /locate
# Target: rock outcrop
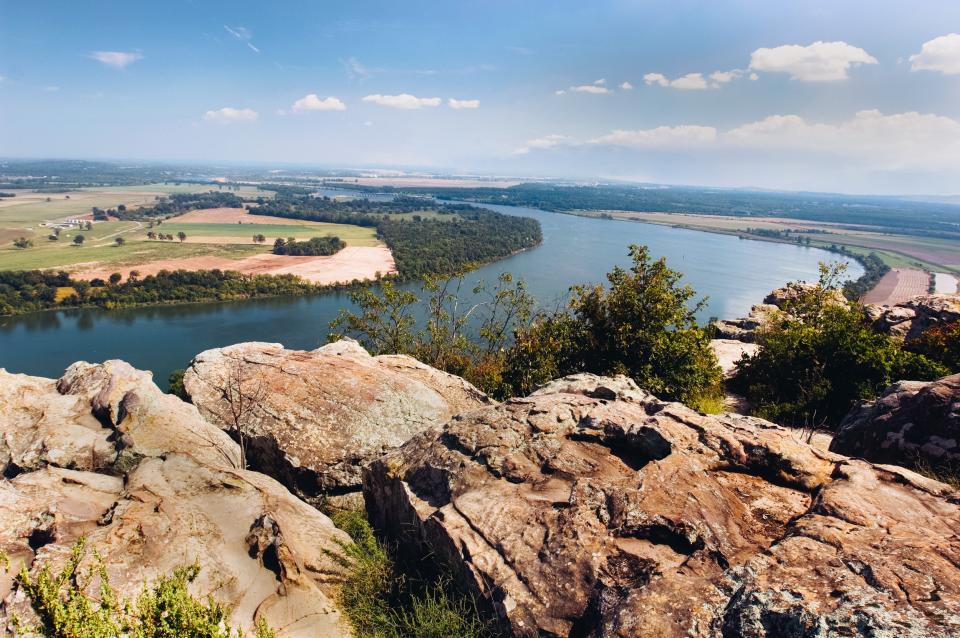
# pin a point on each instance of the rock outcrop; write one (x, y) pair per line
(104, 454)
(908, 320)
(320, 415)
(593, 509)
(745, 328)
(913, 421)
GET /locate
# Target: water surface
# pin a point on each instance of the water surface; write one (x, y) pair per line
(734, 273)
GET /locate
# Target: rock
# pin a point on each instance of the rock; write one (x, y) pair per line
(745, 329)
(788, 295)
(910, 319)
(322, 414)
(911, 422)
(729, 351)
(593, 509)
(164, 493)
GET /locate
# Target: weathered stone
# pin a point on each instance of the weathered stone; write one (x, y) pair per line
(911, 422)
(591, 508)
(908, 320)
(729, 351)
(166, 493)
(322, 414)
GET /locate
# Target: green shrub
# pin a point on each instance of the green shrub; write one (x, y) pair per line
(165, 610)
(381, 602)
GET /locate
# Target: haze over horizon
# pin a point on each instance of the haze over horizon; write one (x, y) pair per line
(858, 98)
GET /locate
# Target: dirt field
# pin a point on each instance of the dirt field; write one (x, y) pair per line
(231, 216)
(899, 284)
(353, 262)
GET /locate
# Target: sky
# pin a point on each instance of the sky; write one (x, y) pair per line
(847, 95)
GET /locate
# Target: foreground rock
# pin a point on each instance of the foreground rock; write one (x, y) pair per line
(910, 319)
(591, 508)
(104, 454)
(913, 422)
(320, 415)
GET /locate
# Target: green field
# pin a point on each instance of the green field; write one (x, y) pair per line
(23, 216)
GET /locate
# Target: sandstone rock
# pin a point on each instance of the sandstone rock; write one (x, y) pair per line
(591, 508)
(912, 421)
(784, 297)
(165, 493)
(908, 320)
(323, 414)
(729, 351)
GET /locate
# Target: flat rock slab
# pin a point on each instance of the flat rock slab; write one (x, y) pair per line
(320, 415)
(593, 509)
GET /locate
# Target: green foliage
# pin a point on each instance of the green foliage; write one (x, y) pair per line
(79, 239)
(821, 358)
(316, 246)
(940, 343)
(175, 383)
(22, 242)
(165, 610)
(643, 326)
(380, 602)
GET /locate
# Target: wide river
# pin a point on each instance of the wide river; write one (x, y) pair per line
(734, 274)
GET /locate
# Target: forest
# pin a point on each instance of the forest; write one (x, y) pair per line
(452, 237)
(313, 247)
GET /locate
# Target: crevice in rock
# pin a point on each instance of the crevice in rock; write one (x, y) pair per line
(635, 449)
(40, 537)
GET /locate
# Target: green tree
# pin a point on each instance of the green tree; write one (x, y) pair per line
(115, 278)
(385, 324)
(120, 241)
(821, 357)
(182, 236)
(22, 242)
(78, 240)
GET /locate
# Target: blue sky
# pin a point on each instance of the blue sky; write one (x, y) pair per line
(860, 96)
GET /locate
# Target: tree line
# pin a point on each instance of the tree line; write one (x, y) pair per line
(315, 246)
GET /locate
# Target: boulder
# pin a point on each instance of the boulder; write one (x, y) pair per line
(316, 417)
(729, 351)
(912, 422)
(591, 508)
(911, 318)
(103, 454)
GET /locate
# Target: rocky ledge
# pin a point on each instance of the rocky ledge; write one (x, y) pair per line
(908, 320)
(104, 454)
(593, 509)
(913, 422)
(319, 416)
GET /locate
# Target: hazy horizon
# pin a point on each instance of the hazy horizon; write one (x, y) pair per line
(862, 98)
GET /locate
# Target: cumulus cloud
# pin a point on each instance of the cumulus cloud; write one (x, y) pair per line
(402, 101)
(117, 59)
(688, 82)
(463, 104)
(313, 102)
(664, 137)
(229, 114)
(626, 86)
(244, 35)
(543, 143)
(940, 54)
(817, 62)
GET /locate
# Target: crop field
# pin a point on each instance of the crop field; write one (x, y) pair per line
(214, 237)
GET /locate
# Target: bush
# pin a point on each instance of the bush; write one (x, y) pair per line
(940, 343)
(822, 358)
(165, 610)
(380, 602)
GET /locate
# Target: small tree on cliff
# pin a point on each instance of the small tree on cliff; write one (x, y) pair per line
(243, 393)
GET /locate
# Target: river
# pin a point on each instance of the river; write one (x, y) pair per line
(734, 273)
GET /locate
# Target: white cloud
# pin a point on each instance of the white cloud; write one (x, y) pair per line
(243, 34)
(664, 137)
(724, 77)
(313, 102)
(940, 54)
(117, 59)
(543, 143)
(402, 101)
(463, 104)
(600, 82)
(817, 62)
(596, 89)
(357, 70)
(229, 114)
(626, 86)
(560, 92)
(52, 88)
(688, 82)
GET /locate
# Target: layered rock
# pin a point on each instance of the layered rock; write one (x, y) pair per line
(591, 508)
(910, 319)
(912, 422)
(104, 454)
(318, 416)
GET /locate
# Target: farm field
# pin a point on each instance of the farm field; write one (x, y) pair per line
(215, 238)
(898, 285)
(897, 251)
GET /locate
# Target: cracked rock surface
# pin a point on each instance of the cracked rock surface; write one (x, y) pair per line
(322, 414)
(104, 454)
(592, 509)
